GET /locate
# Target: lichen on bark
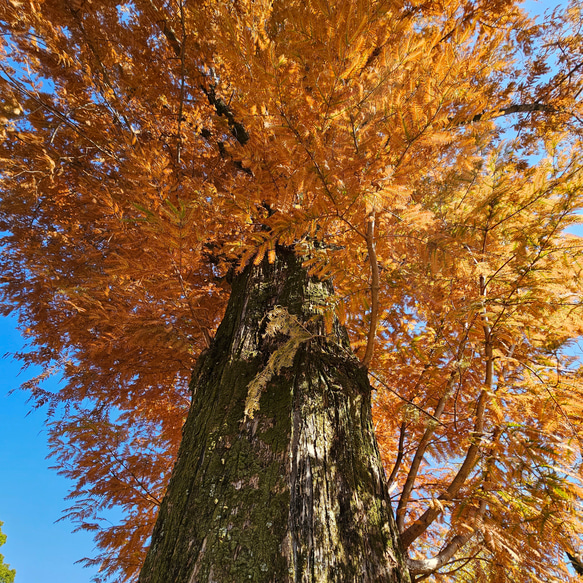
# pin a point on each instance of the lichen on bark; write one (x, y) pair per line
(297, 492)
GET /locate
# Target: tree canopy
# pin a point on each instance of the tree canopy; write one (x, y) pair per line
(424, 156)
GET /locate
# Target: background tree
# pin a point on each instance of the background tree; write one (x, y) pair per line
(150, 147)
(6, 573)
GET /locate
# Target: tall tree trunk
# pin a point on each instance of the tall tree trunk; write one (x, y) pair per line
(296, 492)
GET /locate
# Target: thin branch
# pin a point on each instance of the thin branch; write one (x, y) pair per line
(557, 404)
(424, 521)
(63, 117)
(162, 22)
(428, 566)
(420, 454)
(562, 79)
(115, 110)
(204, 330)
(146, 494)
(374, 290)
(408, 401)
(516, 108)
(312, 157)
(237, 129)
(399, 459)
(426, 439)
(464, 562)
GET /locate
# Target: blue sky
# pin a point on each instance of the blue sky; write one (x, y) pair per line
(41, 549)
(31, 495)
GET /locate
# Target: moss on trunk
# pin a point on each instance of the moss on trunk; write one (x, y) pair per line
(297, 493)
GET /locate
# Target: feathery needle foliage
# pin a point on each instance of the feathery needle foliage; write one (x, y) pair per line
(149, 147)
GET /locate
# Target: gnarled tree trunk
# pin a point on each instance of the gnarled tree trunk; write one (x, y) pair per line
(297, 492)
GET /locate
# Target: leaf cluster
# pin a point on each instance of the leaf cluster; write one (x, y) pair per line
(6, 573)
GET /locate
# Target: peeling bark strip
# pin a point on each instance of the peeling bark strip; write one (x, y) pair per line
(296, 494)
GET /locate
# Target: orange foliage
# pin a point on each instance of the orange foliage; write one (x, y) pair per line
(149, 145)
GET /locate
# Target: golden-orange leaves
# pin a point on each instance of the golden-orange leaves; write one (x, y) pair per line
(148, 148)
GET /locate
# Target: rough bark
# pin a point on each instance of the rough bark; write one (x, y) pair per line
(297, 493)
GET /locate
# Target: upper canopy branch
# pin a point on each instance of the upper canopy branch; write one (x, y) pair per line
(237, 129)
(516, 108)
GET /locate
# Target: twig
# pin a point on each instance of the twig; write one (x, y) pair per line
(182, 83)
(63, 117)
(409, 402)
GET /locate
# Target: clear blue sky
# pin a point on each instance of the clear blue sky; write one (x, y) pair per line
(32, 496)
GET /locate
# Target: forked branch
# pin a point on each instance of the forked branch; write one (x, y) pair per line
(427, 566)
(237, 129)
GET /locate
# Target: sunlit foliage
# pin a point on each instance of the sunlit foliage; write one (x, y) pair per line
(6, 573)
(150, 146)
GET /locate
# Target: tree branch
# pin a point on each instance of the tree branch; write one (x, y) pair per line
(60, 115)
(408, 401)
(182, 83)
(425, 440)
(399, 459)
(237, 129)
(374, 290)
(517, 108)
(155, 14)
(422, 523)
(418, 458)
(427, 566)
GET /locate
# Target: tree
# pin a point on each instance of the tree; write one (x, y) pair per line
(160, 156)
(6, 573)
